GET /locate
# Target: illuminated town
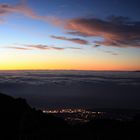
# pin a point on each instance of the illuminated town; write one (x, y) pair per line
(73, 116)
(70, 111)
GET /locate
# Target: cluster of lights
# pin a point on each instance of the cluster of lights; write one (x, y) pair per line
(65, 111)
(70, 111)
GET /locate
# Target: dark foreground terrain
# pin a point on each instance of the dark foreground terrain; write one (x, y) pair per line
(18, 121)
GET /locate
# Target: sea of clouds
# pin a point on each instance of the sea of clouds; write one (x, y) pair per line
(88, 89)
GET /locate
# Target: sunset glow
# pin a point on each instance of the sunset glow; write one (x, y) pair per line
(33, 36)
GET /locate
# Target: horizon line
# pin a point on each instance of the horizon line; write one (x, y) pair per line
(62, 70)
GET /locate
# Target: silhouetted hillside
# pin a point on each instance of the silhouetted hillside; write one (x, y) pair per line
(18, 121)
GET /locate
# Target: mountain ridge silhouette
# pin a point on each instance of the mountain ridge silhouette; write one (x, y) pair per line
(18, 121)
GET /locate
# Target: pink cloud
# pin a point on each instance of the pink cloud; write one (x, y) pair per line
(115, 31)
(23, 8)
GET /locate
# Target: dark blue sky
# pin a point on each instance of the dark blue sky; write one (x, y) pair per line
(98, 8)
(101, 8)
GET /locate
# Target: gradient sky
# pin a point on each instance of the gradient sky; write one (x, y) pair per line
(70, 34)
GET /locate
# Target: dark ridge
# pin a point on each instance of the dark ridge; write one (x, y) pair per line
(137, 71)
(18, 121)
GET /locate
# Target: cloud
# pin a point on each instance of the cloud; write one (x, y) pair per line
(96, 45)
(74, 48)
(57, 48)
(6, 9)
(115, 31)
(19, 48)
(80, 84)
(111, 52)
(75, 40)
(40, 47)
(22, 8)
(44, 47)
(105, 51)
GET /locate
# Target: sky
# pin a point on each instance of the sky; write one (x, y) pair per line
(75, 34)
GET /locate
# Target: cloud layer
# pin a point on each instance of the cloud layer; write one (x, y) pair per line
(79, 88)
(115, 31)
